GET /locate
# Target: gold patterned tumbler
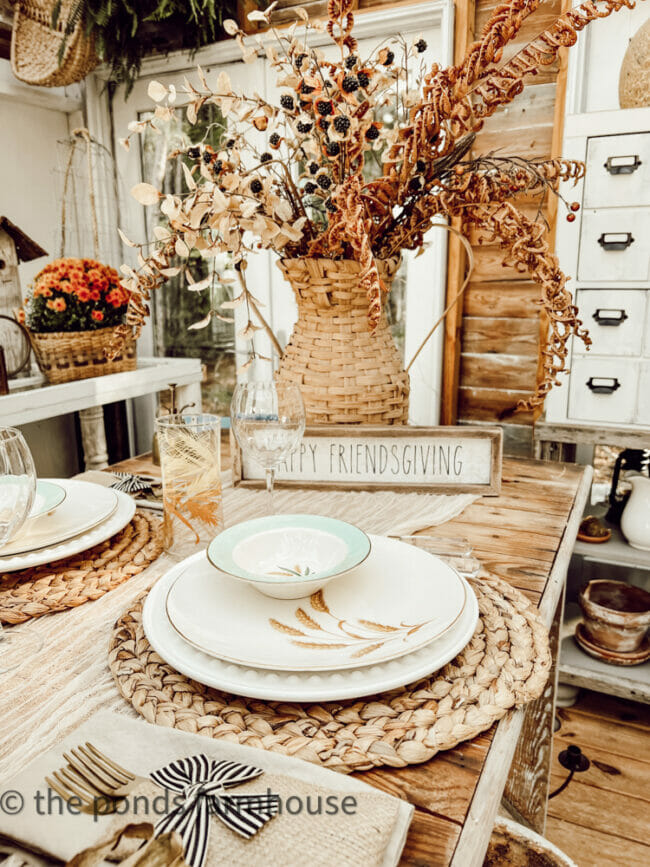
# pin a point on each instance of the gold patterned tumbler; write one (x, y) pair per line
(190, 460)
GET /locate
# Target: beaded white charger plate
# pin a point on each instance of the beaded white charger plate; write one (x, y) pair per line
(299, 686)
(399, 599)
(82, 541)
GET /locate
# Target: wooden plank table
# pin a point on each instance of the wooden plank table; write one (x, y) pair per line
(525, 535)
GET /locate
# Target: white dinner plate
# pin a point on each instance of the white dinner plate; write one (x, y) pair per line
(47, 498)
(296, 685)
(81, 542)
(85, 506)
(400, 598)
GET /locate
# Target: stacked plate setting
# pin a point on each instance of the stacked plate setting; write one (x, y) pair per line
(397, 617)
(68, 517)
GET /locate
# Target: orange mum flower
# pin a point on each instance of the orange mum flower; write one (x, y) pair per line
(57, 304)
(97, 315)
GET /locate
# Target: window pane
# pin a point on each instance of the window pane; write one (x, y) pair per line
(174, 307)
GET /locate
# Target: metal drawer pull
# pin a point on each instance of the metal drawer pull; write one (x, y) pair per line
(615, 240)
(622, 165)
(603, 384)
(607, 316)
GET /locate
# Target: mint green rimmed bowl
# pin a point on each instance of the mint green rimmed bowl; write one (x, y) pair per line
(289, 556)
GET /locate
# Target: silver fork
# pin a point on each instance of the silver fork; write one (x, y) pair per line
(96, 781)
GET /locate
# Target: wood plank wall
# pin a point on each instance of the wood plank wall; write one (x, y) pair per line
(500, 327)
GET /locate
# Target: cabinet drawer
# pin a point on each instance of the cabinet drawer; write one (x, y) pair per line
(603, 389)
(643, 412)
(615, 319)
(618, 171)
(614, 245)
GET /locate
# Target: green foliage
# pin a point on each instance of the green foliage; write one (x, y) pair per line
(124, 30)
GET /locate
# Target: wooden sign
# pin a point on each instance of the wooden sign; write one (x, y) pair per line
(444, 460)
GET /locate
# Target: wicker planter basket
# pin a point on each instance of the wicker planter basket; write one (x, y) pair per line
(346, 374)
(64, 356)
(35, 46)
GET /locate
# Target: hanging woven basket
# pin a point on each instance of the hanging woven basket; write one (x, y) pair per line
(346, 373)
(36, 45)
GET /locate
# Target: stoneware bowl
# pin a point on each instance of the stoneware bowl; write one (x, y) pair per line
(616, 614)
(289, 556)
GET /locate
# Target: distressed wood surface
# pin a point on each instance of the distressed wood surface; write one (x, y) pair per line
(464, 18)
(457, 793)
(528, 784)
(527, 127)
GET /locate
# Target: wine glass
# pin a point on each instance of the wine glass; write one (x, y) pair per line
(17, 491)
(268, 420)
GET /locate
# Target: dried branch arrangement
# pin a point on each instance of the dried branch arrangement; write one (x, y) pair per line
(289, 177)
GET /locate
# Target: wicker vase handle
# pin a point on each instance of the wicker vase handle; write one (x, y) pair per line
(79, 135)
(459, 294)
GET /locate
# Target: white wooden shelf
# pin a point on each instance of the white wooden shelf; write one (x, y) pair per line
(580, 669)
(35, 401)
(616, 552)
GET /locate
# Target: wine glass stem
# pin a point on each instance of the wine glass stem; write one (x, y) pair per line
(270, 478)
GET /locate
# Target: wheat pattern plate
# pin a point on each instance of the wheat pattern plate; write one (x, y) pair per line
(301, 686)
(399, 599)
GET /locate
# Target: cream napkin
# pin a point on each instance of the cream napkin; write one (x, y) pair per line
(326, 818)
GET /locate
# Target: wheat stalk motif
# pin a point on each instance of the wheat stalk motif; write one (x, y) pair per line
(362, 636)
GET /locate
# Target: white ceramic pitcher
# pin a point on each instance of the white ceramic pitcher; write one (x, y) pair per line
(635, 521)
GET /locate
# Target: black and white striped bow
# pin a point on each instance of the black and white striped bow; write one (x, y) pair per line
(201, 782)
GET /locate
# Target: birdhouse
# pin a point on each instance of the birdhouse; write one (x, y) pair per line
(15, 247)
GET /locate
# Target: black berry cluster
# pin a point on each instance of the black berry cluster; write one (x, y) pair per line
(324, 181)
(194, 153)
(421, 46)
(324, 106)
(351, 61)
(350, 83)
(390, 56)
(313, 168)
(286, 101)
(274, 139)
(310, 188)
(256, 186)
(333, 149)
(304, 126)
(342, 124)
(266, 157)
(364, 79)
(372, 133)
(299, 60)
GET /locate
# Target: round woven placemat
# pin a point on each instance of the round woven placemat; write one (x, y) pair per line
(87, 576)
(505, 665)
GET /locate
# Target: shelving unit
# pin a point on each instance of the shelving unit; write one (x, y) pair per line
(616, 552)
(579, 669)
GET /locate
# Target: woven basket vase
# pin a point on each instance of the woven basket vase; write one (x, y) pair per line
(346, 373)
(64, 356)
(35, 46)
